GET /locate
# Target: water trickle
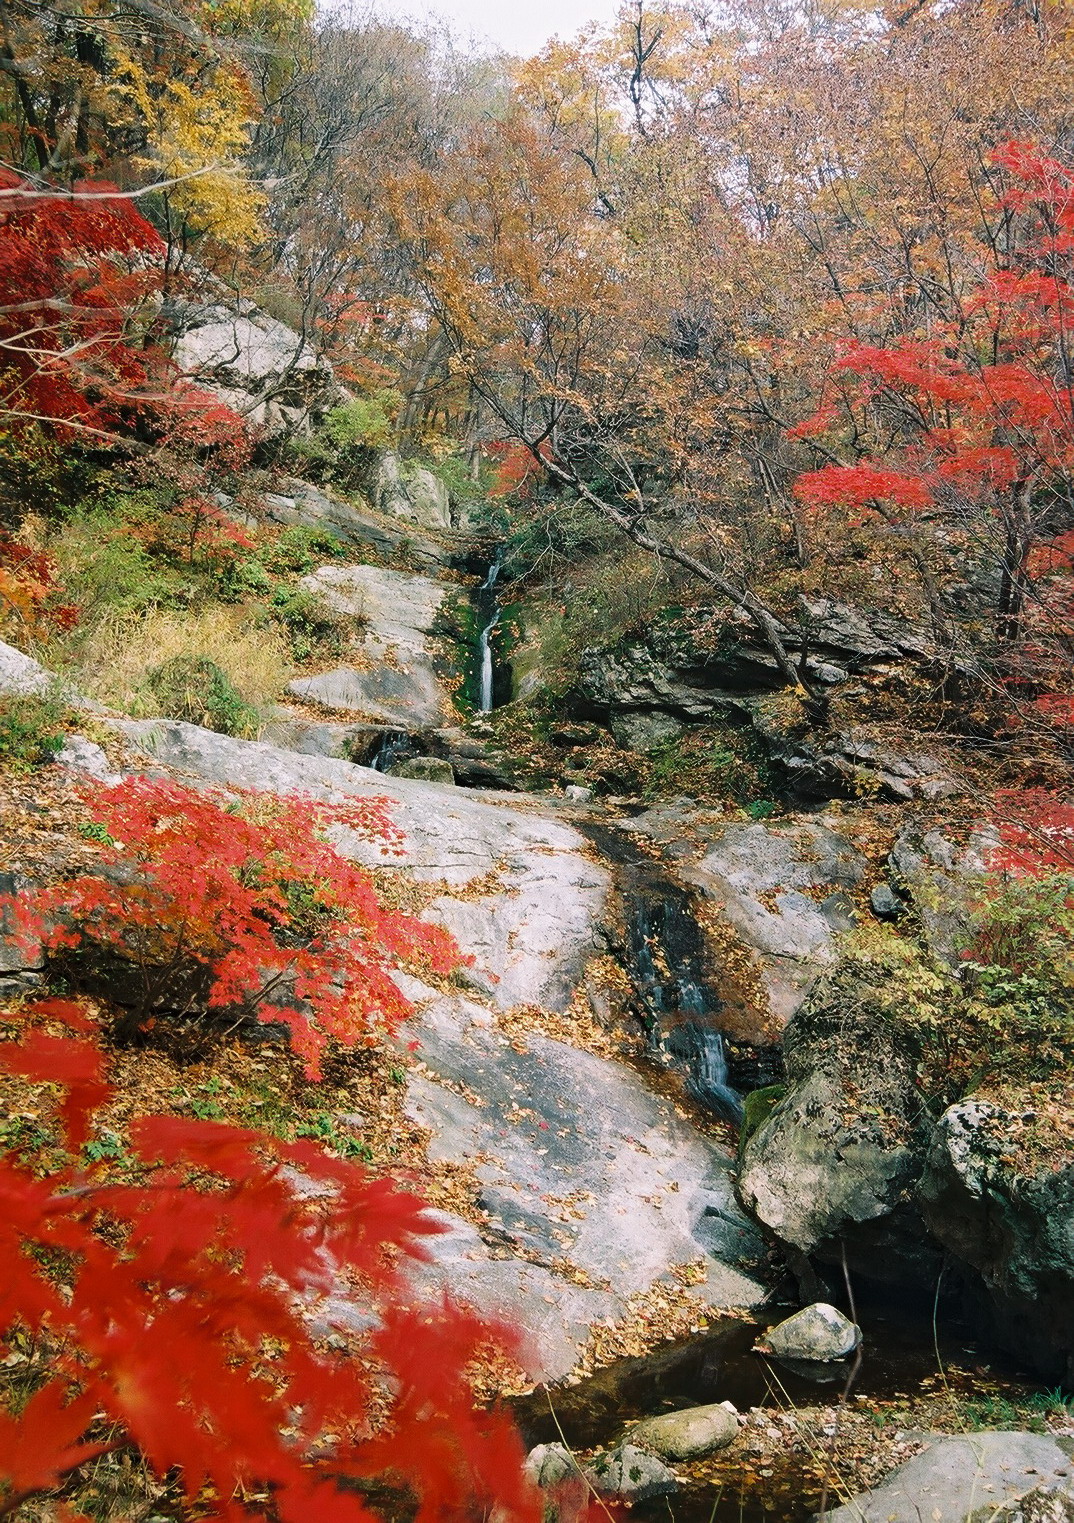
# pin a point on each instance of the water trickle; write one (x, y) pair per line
(489, 612)
(675, 998)
(393, 746)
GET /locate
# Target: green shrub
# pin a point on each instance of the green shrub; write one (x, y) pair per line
(196, 690)
(342, 449)
(312, 629)
(32, 730)
(299, 549)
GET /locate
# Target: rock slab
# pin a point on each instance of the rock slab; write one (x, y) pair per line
(965, 1478)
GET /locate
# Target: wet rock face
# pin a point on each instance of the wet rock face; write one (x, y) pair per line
(1016, 1233)
(783, 890)
(838, 1159)
(819, 1333)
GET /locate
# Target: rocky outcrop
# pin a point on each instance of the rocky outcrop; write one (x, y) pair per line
(836, 1164)
(394, 676)
(938, 876)
(784, 890)
(349, 520)
(1013, 1230)
(964, 1479)
(412, 493)
(263, 369)
(698, 668)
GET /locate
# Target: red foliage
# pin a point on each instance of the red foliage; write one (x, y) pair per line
(228, 901)
(179, 1313)
(1036, 831)
(29, 591)
(77, 272)
(861, 486)
(514, 471)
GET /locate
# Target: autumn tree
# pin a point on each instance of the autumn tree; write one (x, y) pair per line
(961, 437)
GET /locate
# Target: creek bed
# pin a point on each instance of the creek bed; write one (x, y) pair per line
(767, 1476)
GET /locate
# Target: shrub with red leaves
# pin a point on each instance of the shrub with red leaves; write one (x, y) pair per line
(177, 1312)
(240, 905)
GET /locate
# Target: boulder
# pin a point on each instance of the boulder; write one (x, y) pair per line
(819, 1333)
(550, 1465)
(22, 674)
(1013, 1231)
(836, 1163)
(688, 1434)
(260, 367)
(630, 1475)
(969, 1477)
(412, 493)
(394, 677)
(429, 769)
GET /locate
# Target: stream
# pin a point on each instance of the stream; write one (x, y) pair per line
(901, 1352)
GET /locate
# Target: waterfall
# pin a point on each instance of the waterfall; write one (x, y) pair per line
(393, 746)
(676, 1001)
(486, 604)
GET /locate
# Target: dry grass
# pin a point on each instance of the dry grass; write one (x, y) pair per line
(113, 663)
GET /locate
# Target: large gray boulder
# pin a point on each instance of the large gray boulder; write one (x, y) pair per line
(964, 1479)
(269, 374)
(688, 1434)
(819, 1333)
(1014, 1231)
(836, 1163)
(394, 677)
(412, 493)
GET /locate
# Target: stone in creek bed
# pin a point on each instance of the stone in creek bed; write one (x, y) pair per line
(689, 1434)
(632, 1474)
(819, 1332)
(550, 1465)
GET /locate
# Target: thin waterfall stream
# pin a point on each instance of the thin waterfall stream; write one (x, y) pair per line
(674, 993)
(489, 611)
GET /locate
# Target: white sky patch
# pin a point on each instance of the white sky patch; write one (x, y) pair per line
(522, 27)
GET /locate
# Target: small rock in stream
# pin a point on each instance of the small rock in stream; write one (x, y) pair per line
(550, 1465)
(819, 1332)
(688, 1434)
(633, 1475)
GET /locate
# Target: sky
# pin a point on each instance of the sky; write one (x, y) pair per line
(511, 26)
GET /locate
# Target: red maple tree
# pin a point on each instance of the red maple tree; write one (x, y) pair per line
(239, 904)
(969, 427)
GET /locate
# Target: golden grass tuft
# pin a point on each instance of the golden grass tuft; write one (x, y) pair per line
(113, 663)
